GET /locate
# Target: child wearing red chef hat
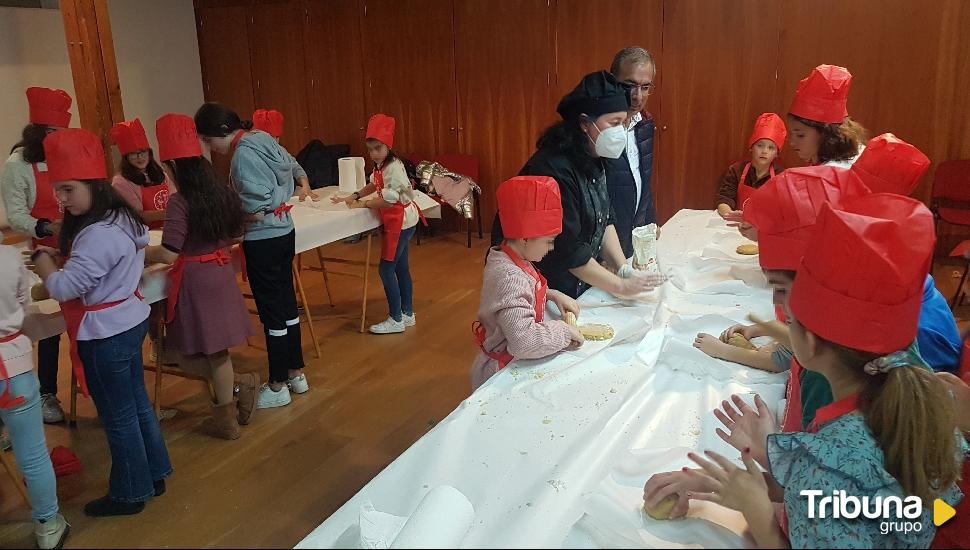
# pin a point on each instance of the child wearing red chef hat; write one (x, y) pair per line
(140, 179)
(743, 177)
(394, 201)
(511, 318)
(271, 122)
(854, 308)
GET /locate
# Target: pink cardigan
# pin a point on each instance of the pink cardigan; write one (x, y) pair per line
(507, 312)
(14, 293)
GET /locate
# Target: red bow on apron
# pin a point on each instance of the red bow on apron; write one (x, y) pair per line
(74, 312)
(46, 205)
(220, 257)
(744, 190)
(6, 402)
(155, 198)
(392, 218)
(541, 287)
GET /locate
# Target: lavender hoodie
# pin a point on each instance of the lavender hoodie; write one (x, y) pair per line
(106, 264)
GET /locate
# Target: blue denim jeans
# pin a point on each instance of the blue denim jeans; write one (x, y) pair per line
(116, 379)
(396, 277)
(25, 424)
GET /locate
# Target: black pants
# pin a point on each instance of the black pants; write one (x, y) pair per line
(269, 266)
(47, 354)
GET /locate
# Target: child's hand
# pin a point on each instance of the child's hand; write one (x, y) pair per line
(576, 337)
(732, 216)
(679, 483)
(961, 396)
(748, 429)
(346, 200)
(748, 231)
(564, 303)
(749, 332)
(307, 193)
(711, 345)
(744, 490)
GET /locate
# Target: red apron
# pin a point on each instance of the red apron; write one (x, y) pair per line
(541, 287)
(74, 312)
(392, 218)
(6, 402)
(153, 199)
(46, 205)
(744, 190)
(220, 257)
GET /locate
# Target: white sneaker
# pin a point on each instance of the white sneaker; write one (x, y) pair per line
(390, 326)
(52, 533)
(409, 320)
(269, 399)
(51, 409)
(298, 384)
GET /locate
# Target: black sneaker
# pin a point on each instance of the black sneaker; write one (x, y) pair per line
(159, 487)
(106, 506)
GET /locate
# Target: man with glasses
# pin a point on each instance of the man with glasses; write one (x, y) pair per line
(628, 177)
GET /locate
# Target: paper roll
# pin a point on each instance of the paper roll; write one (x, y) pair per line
(347, 175)
(361, 173)
(441, 520)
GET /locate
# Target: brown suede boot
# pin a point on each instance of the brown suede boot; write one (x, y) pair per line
(223, 423)
(247, 392)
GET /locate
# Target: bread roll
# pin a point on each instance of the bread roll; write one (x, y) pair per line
(739, 341)
(663, 508)
(747, 249)
(38, 293)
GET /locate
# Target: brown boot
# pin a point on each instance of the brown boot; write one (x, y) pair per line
(222, 424)
(247, 392)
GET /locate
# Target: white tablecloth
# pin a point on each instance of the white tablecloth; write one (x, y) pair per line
(555, 453)
(317, 224)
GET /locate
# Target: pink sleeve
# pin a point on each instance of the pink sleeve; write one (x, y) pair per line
(527, 339)
(128, 191)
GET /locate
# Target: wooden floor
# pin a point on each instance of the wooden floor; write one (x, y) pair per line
(371, 397)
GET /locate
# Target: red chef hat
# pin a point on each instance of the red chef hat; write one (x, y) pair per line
(861, 286)
(49, 106)
(890, 165)
(822, 96)
(74, 154)
(769, 126)
(785, 210)
(129, 136)
(381, 127)
(530, 207)
(65, 462)
(269, 121)
(177, 137)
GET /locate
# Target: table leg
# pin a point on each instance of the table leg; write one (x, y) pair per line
(306, 310)
(326, 277)
(363, 304)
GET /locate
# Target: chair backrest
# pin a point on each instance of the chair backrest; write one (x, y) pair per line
(466, 165)
(952, 180)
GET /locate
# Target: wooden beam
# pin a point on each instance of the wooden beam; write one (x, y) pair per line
(90, 46)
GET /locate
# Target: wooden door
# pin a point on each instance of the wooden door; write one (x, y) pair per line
(409, 71)
(718, 70)
(335, 72)
(504, 86)
(276, 53)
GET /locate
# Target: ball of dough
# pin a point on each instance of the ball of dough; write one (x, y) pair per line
(748, 249)
(739, 341)
(38, 293)
(663, 508)
(570, 318)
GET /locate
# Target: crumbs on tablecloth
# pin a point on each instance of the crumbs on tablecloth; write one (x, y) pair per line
(557, 484)
(547, 420)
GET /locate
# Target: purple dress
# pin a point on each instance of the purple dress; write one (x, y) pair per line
(211, 315)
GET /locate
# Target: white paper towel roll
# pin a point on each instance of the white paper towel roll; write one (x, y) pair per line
(361, 174)
(347, 175)
(441, 520)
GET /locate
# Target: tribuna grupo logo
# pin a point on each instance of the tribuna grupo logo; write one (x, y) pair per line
(895, 514)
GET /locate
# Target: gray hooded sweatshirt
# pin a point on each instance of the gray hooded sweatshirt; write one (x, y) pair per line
(264, 173)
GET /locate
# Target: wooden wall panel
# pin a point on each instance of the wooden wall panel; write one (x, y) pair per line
(224, 55)
(409, 71)
(719, 64)
(497, 84)
(335, 72)
(276, 54)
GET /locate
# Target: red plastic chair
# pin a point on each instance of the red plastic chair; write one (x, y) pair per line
(961, 250)
(951, 192)
(466, 165)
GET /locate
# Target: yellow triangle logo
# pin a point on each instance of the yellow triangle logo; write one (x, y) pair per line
(942, 512)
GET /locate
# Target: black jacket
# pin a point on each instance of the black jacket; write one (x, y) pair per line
(586, 215)
(623, 188)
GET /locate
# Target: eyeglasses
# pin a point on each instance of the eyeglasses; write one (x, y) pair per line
(645, 89)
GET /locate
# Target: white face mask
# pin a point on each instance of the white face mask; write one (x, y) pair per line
(611, 142)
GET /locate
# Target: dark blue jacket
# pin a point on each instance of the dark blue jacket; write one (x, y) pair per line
(623, 188)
